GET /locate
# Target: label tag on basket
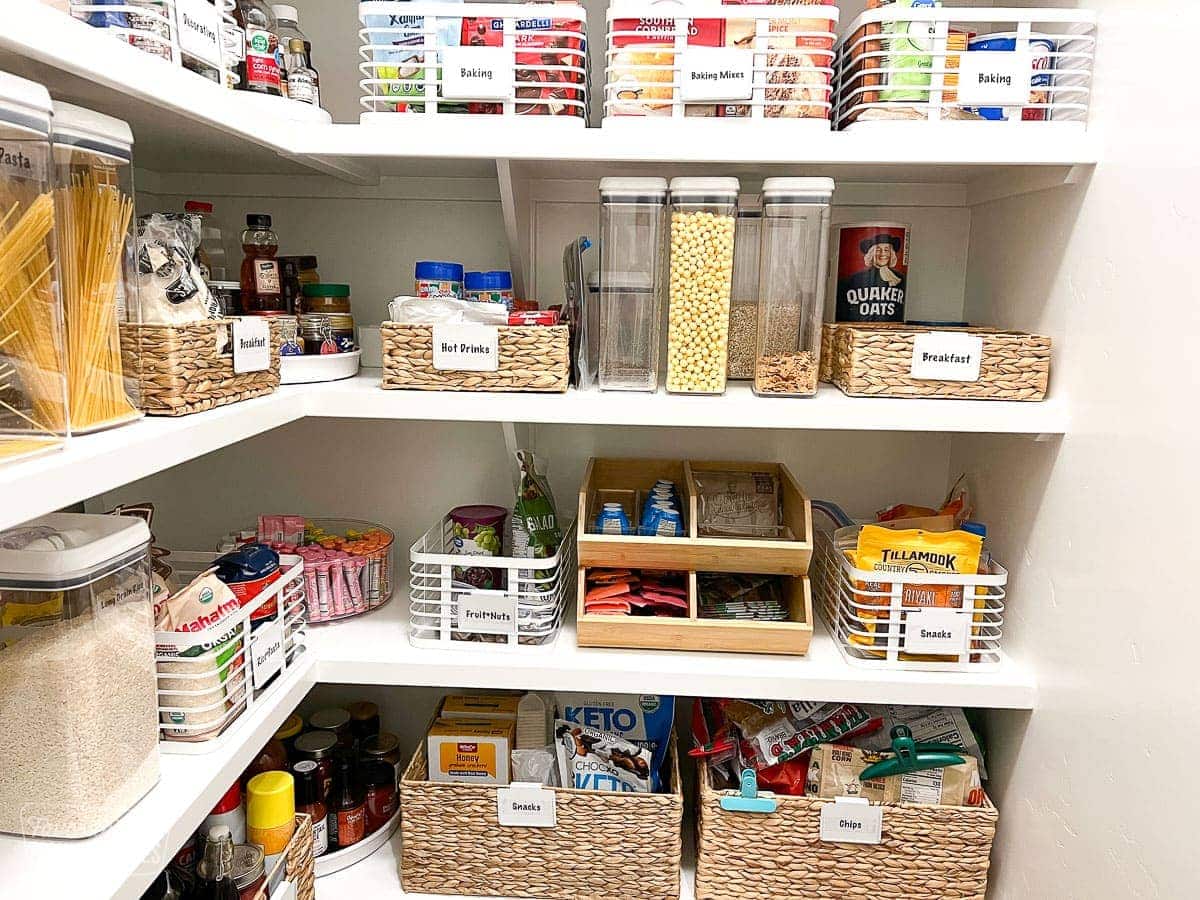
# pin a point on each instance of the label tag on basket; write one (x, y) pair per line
(938, 631)
(715, 73)
(266, 652)
(947, 356)
(488, 613)
(478, 73)
(526, 805)
(199, 30)
(852, 820)
(995, 77)
(251, 345)
(466, 348)
(285, 891)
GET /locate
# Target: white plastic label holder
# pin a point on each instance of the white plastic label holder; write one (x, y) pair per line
(851, 820)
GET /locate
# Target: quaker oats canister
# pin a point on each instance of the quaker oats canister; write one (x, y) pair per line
(872, 272)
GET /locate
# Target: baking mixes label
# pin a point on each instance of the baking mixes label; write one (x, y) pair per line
(466, 348)
(478, 73)
(526, 805)
(936, 631)
(251, 345)
(199, 30)
(715, 74)
(947, 356)
(852, 820)
(487, 613)
(999, 78)
(266, 652)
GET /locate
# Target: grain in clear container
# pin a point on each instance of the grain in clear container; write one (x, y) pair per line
(703, 224)
(743, 304)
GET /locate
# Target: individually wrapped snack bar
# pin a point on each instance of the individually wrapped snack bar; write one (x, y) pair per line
(594, 760)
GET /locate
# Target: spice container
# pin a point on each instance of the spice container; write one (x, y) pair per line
(793, 257)
(79, 719)
(94, 203)
(271, 813)
(743, 303)
(490, 287)
(632, 212)
(33, 411)
(439, 279)
(703, 222)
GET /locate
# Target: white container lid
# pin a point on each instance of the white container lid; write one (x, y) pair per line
(75, 126)
(25, 104)
(706, 186)
(66, 550)
(814, 188)
(633, 187)
(285, 11)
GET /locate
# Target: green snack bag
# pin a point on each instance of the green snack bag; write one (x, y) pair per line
(536, 534)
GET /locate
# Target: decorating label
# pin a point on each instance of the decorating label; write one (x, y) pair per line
(947, 356)
(266, 652)
(715, 74)
(251, 345)
(478, 73)
(484, 613)
(199, 30)
(937, 631)
(526, 805)
(852, 820)
(466, 348)
(995, 77)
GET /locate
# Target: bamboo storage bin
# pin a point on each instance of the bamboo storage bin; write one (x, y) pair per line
(180, 372)
(299, 865)
(532, 358)
(604, 844)
(927, 852)
(876, 361)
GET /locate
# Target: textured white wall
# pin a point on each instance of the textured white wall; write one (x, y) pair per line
(1097, 788)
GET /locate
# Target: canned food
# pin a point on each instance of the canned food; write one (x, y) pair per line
(872, 268)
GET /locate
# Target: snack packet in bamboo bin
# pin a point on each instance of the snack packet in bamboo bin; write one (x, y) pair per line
(536, 534)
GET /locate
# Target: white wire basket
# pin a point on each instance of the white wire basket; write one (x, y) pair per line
(1019, 66)
(474, 59)
(881, 625)
(767, 63)
(208, 679)
(446, 611)
(149, 26)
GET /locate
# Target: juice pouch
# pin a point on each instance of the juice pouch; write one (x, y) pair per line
(911, 551)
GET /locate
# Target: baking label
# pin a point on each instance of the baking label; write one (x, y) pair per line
(478, 73)
(852, 820)
(488, 613)
(994, 77)
(266, 652)
(938, 631)
(947, 356)
(715, 74)
(251, 345)
(526, 805)
(199, 30)
(466, 348)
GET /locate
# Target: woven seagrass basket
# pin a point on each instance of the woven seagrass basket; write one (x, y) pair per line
(532, 358)
(300, 867)
(876, 361)
(927, 852)
(180, 372)
(605, 845)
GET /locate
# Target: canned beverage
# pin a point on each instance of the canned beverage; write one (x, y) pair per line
(872, 272)
(612, 520)
(1042, 51)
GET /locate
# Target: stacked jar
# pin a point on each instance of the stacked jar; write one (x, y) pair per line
(703, 222)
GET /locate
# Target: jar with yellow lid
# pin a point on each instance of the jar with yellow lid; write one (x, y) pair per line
(288, 732)
(271, 813)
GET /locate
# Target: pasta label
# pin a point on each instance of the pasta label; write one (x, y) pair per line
(15, 162)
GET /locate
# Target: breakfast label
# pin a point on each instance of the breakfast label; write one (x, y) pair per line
(251, 345)
(466, 348)
(995, 77)
(947, 356)
(852, 820)
(526, 805)
(484, 613)
(936, 631)
(478, 73)
(710, 74)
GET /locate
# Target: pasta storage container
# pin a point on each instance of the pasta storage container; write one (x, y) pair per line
(791, 285)
(93, 157)
(33, 402)
(703, 221)
(632, 211)
(743, 302)
(77, 664)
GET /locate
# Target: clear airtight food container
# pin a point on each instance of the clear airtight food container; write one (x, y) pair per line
(632, 213)
(33, 402)
(93, 155)
(743, 303)
(78, 710)
(791, 285)
(703, 222)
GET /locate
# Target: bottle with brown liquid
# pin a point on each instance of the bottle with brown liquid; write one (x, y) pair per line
(262, 290)
(214, 872)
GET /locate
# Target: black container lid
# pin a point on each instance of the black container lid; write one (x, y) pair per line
(258, 220)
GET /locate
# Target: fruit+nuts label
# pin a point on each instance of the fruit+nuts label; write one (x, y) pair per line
(484, 613)
(466, 348)
(715, 74)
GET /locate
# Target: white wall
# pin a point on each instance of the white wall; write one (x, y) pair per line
(1097, 788)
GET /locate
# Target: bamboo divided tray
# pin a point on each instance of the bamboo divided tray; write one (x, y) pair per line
(629, 481)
